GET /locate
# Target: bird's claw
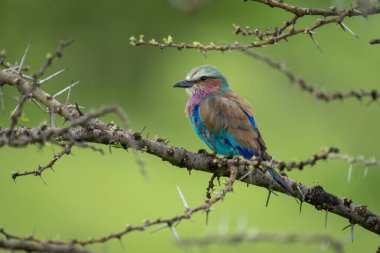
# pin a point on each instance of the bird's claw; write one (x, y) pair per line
(204, 152)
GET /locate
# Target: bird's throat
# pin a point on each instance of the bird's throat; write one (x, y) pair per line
(200, 93)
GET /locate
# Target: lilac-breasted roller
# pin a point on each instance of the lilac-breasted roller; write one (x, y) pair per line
(222, 119)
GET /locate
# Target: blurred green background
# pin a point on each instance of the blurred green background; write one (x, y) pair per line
(90, 195)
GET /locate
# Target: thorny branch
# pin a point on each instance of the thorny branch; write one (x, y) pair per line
(37, 172)
(50, 58)
(257, 237)
(330, 15)
(179, 157)
(332, 11)
(42, 134)
(40, 247)
(318, 94)
(34, 244)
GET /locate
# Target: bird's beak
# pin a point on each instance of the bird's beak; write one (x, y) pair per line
(183, 84)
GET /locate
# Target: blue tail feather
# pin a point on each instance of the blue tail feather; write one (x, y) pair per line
(280, 181)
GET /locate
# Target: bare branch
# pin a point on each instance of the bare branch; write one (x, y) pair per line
(318, 94)
(51, 57)
(168, 43)
(40, 170)
(271, 36)
(168, 222)
(18, 110)
(332, 11)
(355, 160)
(32, 244)
(247, 31)
(41, 247)
(210, 187)
(255, 236)
(323, 155)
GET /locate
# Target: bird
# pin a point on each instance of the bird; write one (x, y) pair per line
(223, 120)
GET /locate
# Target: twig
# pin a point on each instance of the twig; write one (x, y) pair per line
(18, 110)
(41, 247)
(169, 222)
(41, 169)
(32, 244)
(257, 237)
(302, 11)
(323, 155)
(318, 94)
(268, 37)
(210, 186)
(51, 57)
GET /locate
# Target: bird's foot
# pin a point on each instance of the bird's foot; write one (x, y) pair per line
(204, 152)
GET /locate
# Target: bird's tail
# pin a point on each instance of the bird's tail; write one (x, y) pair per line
(280, 181)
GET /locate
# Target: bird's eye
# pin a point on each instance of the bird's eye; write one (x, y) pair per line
(203, 78)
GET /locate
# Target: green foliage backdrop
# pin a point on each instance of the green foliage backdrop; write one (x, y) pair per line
(90, 195)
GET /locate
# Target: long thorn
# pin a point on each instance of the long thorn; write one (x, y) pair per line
(346, 28)
(27, 77)
(175, 233)
(68, 96)
(314, 40)
(349, 173)
(11, 68)
(121, 243)
(43, 180)
(269, 193)
(182, 197)
(159, 228)
(246, 175)
(65, 89)
(14, 110)
(39, 105)
(23, 59)
(51, 76)
(207, 215)
(326, 217)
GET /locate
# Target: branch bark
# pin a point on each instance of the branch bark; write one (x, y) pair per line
(41, 247)
(257, 237)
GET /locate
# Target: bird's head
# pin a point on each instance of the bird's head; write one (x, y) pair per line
(204, 80)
